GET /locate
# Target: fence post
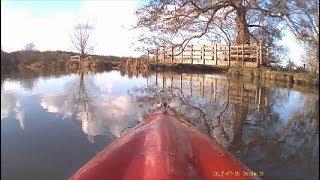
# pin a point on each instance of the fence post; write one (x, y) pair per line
(241, 94)
(242, 54)
(237, 53)
(164, 56)
(191, 54)
(216, 54)
(257, 55)
(266, 57)
(212, 54)
(260, 56)
(228, 55)
(181, 83)
(172, 55)
(204, 54)
(182, 56)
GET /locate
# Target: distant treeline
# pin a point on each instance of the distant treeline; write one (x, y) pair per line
(16, 61)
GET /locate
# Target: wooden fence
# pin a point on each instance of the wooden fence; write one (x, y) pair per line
(249, 55)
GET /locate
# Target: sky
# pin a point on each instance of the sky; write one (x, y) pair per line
(49, 24)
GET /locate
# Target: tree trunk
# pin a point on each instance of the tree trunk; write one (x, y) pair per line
(241, 113)
(243, 36)
(82, 54)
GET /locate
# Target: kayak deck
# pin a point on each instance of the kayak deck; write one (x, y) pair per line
(162, 147)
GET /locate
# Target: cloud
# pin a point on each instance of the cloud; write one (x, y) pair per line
(113, 115)
(112, 20)
(57, 103)
(11, 107)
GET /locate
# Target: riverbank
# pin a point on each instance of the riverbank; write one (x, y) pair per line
(289, 77)
(186, 68)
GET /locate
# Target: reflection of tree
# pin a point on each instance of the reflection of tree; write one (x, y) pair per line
(83, 107)
(258, 136)
(83, 102)
(213, 118)
(240, 116)
(104, 116)
(27, 83)
(134, 67)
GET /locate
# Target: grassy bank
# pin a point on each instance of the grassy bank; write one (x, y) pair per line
(289, 77)
(187, 68)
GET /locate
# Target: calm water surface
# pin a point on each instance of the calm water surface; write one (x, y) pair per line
(51, 126)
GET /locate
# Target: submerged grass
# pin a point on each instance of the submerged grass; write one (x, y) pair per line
(187, 68)
(284, 76)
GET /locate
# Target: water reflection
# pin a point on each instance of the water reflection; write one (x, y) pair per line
(10, 105)
(96, 109)
(248, 118)
(49, 130)
(270, 128)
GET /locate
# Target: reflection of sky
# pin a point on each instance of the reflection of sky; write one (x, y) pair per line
(44, 116)
(113, 110)
(113, 82)
(10, 102)
(10, 85)
(42, 121)
(52, 85)
(293, 104)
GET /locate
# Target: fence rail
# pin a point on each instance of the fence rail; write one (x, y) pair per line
(251, 55)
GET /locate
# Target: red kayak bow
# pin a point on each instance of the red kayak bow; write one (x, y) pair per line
(163, 147)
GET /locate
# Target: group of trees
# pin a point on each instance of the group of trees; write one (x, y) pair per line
(177, 22)
(29, 54)
(304, 24)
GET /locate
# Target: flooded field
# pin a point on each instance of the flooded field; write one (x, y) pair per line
(53, 125)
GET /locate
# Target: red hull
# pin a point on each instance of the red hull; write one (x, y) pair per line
(162, 147)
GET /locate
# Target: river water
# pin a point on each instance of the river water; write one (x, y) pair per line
(53, 125)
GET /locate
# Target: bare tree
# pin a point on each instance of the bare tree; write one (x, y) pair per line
(311, 58)
(81, 39)
(177, 22)
(290, 65)
(29, 47)
(303, 21)
(199, 18)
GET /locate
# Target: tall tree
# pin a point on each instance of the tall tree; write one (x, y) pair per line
(81, 39)
(189, 19)
(303, 21)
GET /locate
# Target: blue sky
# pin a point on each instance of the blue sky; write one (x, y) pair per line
(48, 24)
(41, 7)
